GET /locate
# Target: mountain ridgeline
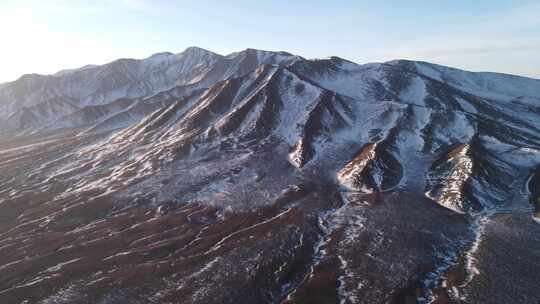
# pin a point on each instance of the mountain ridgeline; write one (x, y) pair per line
(265, 177)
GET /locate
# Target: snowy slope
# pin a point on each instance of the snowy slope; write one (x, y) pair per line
(494, 86)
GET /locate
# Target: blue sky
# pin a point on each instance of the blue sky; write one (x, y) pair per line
(47, 36)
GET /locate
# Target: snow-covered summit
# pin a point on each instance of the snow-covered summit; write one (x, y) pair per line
(496, 86)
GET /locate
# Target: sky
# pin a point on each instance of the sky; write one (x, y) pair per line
(47, 36)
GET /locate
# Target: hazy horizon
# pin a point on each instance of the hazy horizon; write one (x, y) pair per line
(488, 36)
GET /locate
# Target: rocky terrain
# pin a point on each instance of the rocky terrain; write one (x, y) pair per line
(265, 177)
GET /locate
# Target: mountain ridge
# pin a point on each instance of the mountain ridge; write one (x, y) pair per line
(90, 66)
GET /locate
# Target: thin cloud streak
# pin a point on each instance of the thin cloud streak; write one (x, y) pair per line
(473, 46)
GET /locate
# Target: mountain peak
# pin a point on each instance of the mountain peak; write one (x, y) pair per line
(161, 54)
(197, 50)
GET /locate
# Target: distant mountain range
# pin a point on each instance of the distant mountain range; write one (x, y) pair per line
(122, 92)
(266, 177)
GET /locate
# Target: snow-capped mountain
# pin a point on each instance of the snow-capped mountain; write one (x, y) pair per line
(263, 177)
(32, 100)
